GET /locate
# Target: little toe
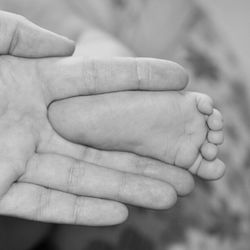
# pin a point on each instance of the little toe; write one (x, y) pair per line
(211, 170)
(215, 137)
(209, 151)
(204, 104)
(215, 121)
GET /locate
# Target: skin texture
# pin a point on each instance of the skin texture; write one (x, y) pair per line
(30, 195)
(29, 145)
(46, 178)
(169, 126)
(21, 38)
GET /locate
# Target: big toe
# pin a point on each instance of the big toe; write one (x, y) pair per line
(208, 170)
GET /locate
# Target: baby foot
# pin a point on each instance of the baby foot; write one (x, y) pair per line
(179, 128)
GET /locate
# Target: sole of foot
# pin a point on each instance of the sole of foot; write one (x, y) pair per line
(179, 128)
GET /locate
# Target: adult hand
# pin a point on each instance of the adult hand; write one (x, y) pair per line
(21, 38)
(39, 178)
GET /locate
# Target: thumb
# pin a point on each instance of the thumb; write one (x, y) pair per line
(20, 37)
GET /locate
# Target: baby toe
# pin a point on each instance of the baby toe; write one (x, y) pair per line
(209, 151)
(215, 137)
(211, 170)
(215, 121)
(204, 104)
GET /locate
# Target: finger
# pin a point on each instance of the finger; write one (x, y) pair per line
(8, 175)
(180, 179)
(13, 154)
(41, 204)
(69, 77)
(82, 178)
(20, 37)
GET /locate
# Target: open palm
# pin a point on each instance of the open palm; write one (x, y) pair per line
(44, 177)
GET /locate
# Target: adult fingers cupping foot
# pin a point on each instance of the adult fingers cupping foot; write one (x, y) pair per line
(28, 86)
(180, 179)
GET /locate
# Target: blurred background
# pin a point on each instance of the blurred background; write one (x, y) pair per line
(212, 40)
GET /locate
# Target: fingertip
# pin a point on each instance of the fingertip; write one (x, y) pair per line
(68, 48)
(34, 41)
(176, 77)
(25, 39)
(156, 194)
(183, 76)
(159, 74)
(101, 212)
(182, 181)
(187, 186)
(167, 197)
(123, 214)
(119, 214)
(50, 44)
(61, 45)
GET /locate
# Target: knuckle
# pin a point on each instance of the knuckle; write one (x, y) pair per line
(139, 73)
(91, 79)
(122, 187)
(75, 213)
(75, 176)
(78, 210)
(44, 200)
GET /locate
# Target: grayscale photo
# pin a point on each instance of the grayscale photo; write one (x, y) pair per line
(124, 125)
